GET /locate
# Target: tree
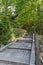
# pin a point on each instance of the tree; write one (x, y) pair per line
(29, 14)
(6, 30)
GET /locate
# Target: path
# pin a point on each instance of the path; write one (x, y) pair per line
(21, 52)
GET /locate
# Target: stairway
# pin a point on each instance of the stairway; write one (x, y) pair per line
(18, 53)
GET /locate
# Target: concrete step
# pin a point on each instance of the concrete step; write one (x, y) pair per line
(15, 56)
(25, 46)
(27, 36)
(17, 53)
(10, 63)
(20, 38)
(25, 40)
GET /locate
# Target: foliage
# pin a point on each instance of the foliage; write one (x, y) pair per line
(19, 32)
(30, 15)
(4, 31)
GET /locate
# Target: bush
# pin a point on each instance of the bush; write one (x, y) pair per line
(4, 32)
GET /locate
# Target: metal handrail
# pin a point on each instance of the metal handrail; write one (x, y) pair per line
(32, 58)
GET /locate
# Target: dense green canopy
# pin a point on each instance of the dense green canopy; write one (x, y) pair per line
(28, 14)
